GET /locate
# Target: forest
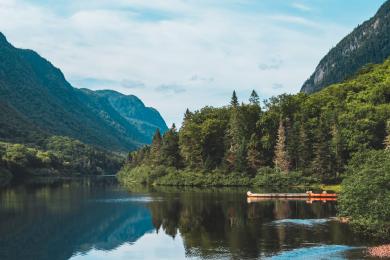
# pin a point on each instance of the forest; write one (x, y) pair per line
(56, 156)
(338, 135)
(298, 137)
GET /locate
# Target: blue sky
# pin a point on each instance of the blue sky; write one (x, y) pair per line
(175, 54)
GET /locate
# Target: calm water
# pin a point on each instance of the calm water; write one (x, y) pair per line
(100, 220)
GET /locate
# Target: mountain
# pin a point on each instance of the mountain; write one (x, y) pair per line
(368, 43)
(36, 101)
(130, 107)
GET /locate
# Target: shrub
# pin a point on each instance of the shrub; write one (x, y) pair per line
(365, 196)
(269, 177)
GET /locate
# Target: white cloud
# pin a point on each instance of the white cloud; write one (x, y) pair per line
(202, 49)
(301, 7)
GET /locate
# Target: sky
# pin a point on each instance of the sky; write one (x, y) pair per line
(178, 54)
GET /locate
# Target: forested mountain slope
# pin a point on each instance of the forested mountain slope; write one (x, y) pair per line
(368, 43)
(36, 101)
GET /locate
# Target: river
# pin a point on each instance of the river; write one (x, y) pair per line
(99, 219)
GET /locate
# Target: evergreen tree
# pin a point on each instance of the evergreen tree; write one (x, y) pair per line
(304, 151)
(241, 164)
(187, 115)
(234, 135)
(281, 159)
(387, 139)
(170, 155)
(155, 149)
(254, 154)
(322, 163)
(234, 100)
(292, 143)
(190, 145)
(254, 98)
(337, 148)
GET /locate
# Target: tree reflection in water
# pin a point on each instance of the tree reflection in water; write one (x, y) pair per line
(87, 219)
(220, 220)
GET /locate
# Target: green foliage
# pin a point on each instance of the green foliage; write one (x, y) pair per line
(365, 196)
(59, 155)
(170, 154)
(313, 136)
(269, 177)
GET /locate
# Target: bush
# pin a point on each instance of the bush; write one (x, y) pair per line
(189, 177)
(365, 196)
(269, 177)
(129, 176)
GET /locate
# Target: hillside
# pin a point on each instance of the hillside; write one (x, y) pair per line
(36, 101)
(368, 43)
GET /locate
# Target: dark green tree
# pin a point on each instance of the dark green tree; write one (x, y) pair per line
(254, 98)
(304, 149)
(281, 159)
(155, 148)
(387, 139)
(322, 163)
(254, 156)
(170, 155)
(234, 100)
(241, 164)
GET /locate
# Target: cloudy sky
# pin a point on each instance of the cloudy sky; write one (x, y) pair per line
(175, 54)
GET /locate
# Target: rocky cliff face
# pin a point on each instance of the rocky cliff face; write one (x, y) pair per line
(368, 43)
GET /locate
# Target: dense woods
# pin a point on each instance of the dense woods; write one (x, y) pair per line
(58, 156)
(312, 136)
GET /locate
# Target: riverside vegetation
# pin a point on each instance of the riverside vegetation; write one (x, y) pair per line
(338, 134)
(56, 156)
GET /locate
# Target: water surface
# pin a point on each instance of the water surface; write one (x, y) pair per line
(100, 220)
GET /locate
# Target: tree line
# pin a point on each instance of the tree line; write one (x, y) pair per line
(315, 135)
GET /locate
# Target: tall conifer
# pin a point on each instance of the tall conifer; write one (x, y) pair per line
(281, 159)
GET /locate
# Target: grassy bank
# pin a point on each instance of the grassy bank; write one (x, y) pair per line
(169, 176)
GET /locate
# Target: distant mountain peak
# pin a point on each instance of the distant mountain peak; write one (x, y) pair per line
(368, 43)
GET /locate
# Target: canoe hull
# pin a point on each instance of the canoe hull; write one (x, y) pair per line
(291, 195)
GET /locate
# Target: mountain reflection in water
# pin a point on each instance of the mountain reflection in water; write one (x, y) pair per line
(100, 220)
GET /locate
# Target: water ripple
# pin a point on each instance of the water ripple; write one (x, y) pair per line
(317, 252)
(303, 222)
(128, 199)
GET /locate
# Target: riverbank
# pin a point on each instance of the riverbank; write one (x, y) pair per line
(169, 176)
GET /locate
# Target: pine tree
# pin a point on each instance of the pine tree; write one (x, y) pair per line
(254, 98)
(304, 150)
(241, 164)
(155, 149)
(322, 163)
(234, 100)
(190, 145)
(254, 154)
(281, 159)
(187, 115)
(234, 136)
(337, 148)
(170, 155)
(387, 139)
